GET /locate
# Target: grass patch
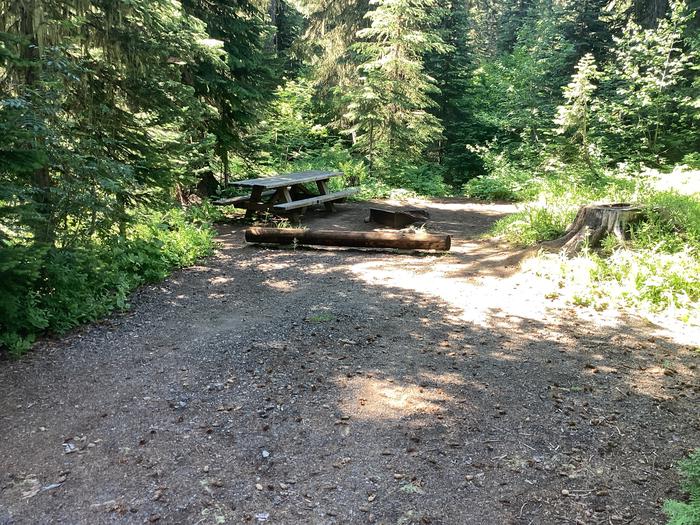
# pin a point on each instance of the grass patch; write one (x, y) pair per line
(658, 270)
(321, 318)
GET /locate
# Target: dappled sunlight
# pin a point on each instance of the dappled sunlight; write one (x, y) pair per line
(281, 285)
(446, 378)
(270, 266)
(431, 278)
(221, 281)
(504, 356)
(651, 382)
(380, 399)
(453, 205)
(676, 330)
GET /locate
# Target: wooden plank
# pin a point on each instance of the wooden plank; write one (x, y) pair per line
(381, 239)
(318, 199)
(233, 201)
(285, 193)
(288, 179)
(255, 197)
(322, 186)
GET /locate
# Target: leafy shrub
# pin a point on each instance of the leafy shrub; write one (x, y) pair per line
(56, 289)
(504, 181)
(423, 180)
(20, 276)
(681, 513)
(382, 182)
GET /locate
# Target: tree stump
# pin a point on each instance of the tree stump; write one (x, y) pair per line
(593, 223)
(397, 219)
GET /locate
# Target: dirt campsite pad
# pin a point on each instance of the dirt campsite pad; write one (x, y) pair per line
(318, 386)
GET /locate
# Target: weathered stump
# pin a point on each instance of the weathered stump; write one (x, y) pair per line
(593, 223)
(397, 218)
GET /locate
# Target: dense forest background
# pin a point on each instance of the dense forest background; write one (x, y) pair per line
(113, 114)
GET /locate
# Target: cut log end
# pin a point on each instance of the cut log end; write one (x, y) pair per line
(592, 224)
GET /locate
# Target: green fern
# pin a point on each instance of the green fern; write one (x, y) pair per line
(687, 513)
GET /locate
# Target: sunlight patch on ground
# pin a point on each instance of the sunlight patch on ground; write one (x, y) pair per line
(652, 381)
(269, 266)
(679, 332)
(504, 356)
(576, 286)
(445, 379)
(494, 209)
(372, 398)
(472, 301)
(682, 180)
(219, 281)
(281, 285)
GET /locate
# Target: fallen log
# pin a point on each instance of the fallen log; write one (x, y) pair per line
(355, 239)
(397, 218)
(592, 224)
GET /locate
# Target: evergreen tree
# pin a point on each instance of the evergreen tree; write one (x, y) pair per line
(575, 115)
(453, 70)
(240, 83)
(394, 81)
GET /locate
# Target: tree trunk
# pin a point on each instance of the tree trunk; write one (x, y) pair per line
(592, 224)
(41, 178)
(400, 240)
(226, 165)
(272, 11)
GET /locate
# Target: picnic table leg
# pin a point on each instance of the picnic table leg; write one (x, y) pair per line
(255, 198)
(323, 190)
(286, 194)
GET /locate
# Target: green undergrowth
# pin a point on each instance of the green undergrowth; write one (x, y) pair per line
(53, 289)
(657, 270)
(688, 512)
(394, 180)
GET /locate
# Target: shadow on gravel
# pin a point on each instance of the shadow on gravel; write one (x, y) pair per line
(328, 387)
(509, 419)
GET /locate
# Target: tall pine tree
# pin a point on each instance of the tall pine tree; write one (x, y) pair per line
(390, 109)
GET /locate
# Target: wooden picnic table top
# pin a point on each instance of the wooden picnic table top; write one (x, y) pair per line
(288, 179)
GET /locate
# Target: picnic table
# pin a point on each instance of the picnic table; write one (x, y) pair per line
(288, 193)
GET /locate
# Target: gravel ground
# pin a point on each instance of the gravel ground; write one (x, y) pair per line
(341, 386)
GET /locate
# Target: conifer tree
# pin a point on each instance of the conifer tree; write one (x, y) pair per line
(393, 48)
(453, 70)
(574, 116)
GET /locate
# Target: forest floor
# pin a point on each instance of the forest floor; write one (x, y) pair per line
(318, 386)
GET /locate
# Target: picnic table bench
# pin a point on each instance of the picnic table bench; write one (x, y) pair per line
(286, 193)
